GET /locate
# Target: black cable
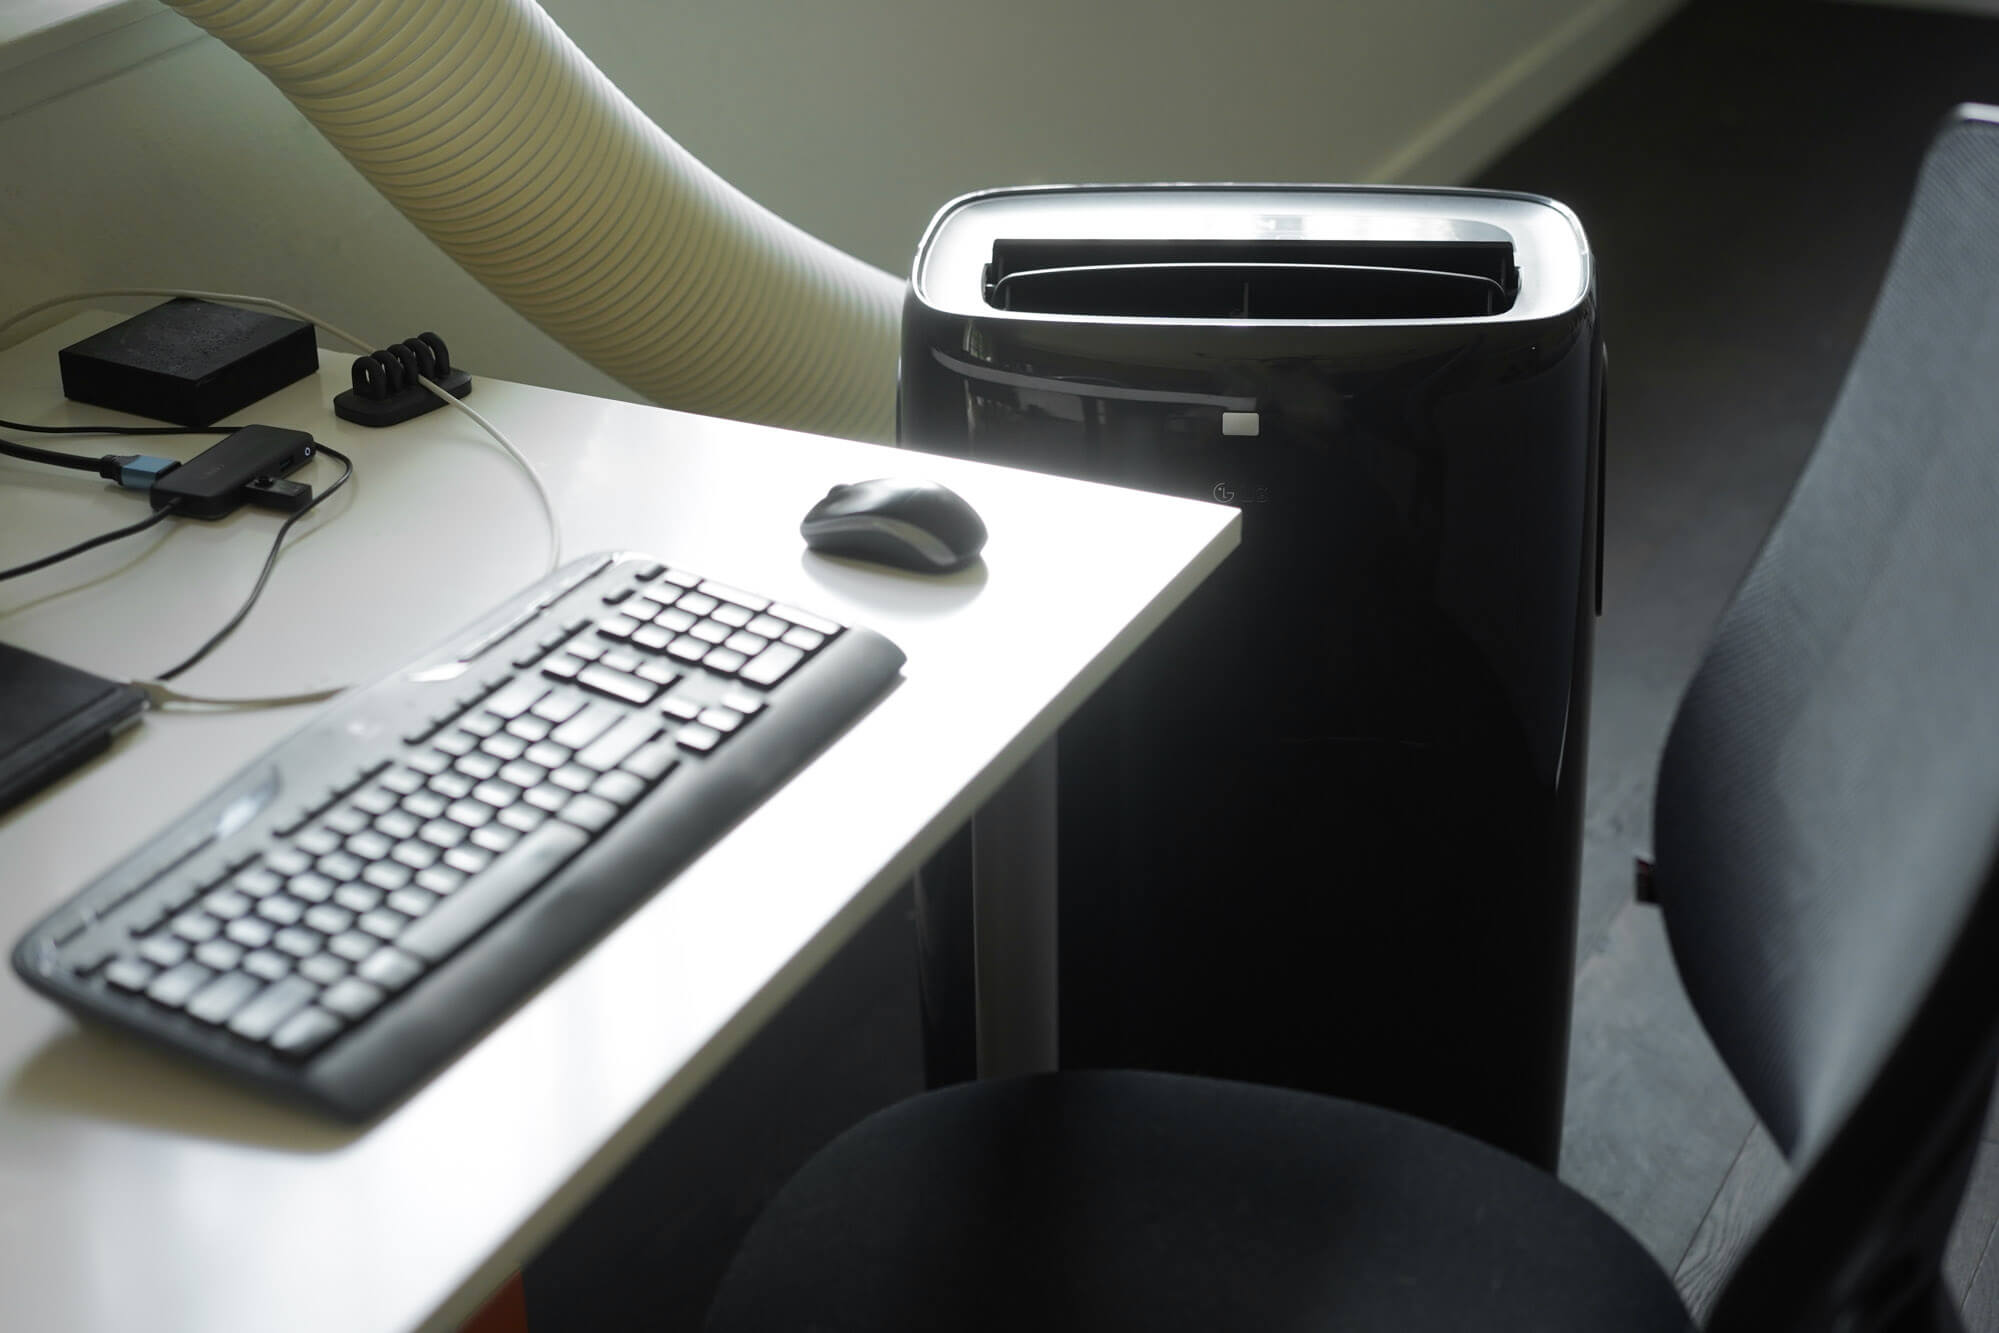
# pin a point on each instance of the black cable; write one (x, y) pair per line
(264, 575)
(81, 547)
(118, 430)
(29, 453)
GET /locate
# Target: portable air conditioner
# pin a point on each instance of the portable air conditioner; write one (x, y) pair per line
(1323, 831)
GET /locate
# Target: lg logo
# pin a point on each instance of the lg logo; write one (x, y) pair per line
(1253, 495)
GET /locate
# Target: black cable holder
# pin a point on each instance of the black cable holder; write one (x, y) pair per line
(386, 385)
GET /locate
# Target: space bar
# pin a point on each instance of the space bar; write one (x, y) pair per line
(498, 887)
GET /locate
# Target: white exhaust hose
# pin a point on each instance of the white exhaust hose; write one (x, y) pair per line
(498, 137)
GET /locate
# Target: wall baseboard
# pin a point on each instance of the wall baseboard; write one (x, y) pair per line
(1493, 115)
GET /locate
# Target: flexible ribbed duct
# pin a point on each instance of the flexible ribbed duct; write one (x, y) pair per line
(491, 131)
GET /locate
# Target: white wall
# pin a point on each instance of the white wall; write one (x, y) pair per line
(854, 120)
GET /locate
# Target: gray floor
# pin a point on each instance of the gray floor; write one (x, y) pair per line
(1742, 177)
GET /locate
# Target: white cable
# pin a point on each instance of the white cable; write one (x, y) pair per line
(497, 137)
(162, 695)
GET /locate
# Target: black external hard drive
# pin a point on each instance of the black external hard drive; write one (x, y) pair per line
(52, 718)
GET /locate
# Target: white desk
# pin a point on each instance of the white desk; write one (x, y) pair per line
(135, 1193)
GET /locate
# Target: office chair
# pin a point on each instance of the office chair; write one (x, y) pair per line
(1825, 835)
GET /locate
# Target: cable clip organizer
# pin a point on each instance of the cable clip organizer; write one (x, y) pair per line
(386, 388)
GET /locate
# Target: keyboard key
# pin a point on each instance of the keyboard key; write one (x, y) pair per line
(324, 968)
(710, 631)
(467, 859)
(414, 853)
(328, 919)
(391, 969)
(219, 954)
(767, 626)
(425, 804)
(430, 762)
(222, 997)
(495, 838)
(358, 897)
(296, 941)
(505, 747)
(451, 786)
(176, 986)
(653, 761)
(556, 709)
(263, 880)
(268, 965)
(439, 879)
(411, 902)
(482, 724)
(251, 932)
(226, 904)
(676, 621)
(479, 765)
(457, 742)
(610, 749)
(547, 797)
(164, 951)
(352, 999)
(593, 813)
(353, 946)
(688, 648)
(377, 800)
(697, 604)
(516, 697)
(348, 820)
(442, 833)
(806, 639)
(725, 660)
(482, 901)
(736, 617)
(369, 845)
(618, 627)
(387, 876)
(472, 814)
(653, 638)
(681, 709)
(130, 974)
(305, 1033)
(618, 787)
(272, 1006)
(724, 720)
(522, 818)
(286, 861)
(773, 664)
(530, 728)
(311, 888)
(746, 643)
(546, 754)
(403, 781)
(698, 738)
(659, 673)
(724, 592)
(587, 726)
(341, 867)
(384, 924)
(196, 927)
(496, 793)
(400, 824)
(805, 618)
(573, 777)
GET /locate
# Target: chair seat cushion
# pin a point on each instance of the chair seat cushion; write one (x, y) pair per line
(1160, 1202)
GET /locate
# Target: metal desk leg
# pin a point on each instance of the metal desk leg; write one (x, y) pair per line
(1014, 906)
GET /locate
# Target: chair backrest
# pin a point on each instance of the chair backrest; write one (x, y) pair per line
(1828, 802)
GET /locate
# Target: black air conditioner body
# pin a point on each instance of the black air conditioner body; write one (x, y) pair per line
(1323, 830)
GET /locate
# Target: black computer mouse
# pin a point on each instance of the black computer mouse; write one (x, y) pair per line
(899, 521)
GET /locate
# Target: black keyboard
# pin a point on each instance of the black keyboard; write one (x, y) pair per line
(355, 907)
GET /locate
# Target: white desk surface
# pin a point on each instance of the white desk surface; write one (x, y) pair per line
(135, 1193)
